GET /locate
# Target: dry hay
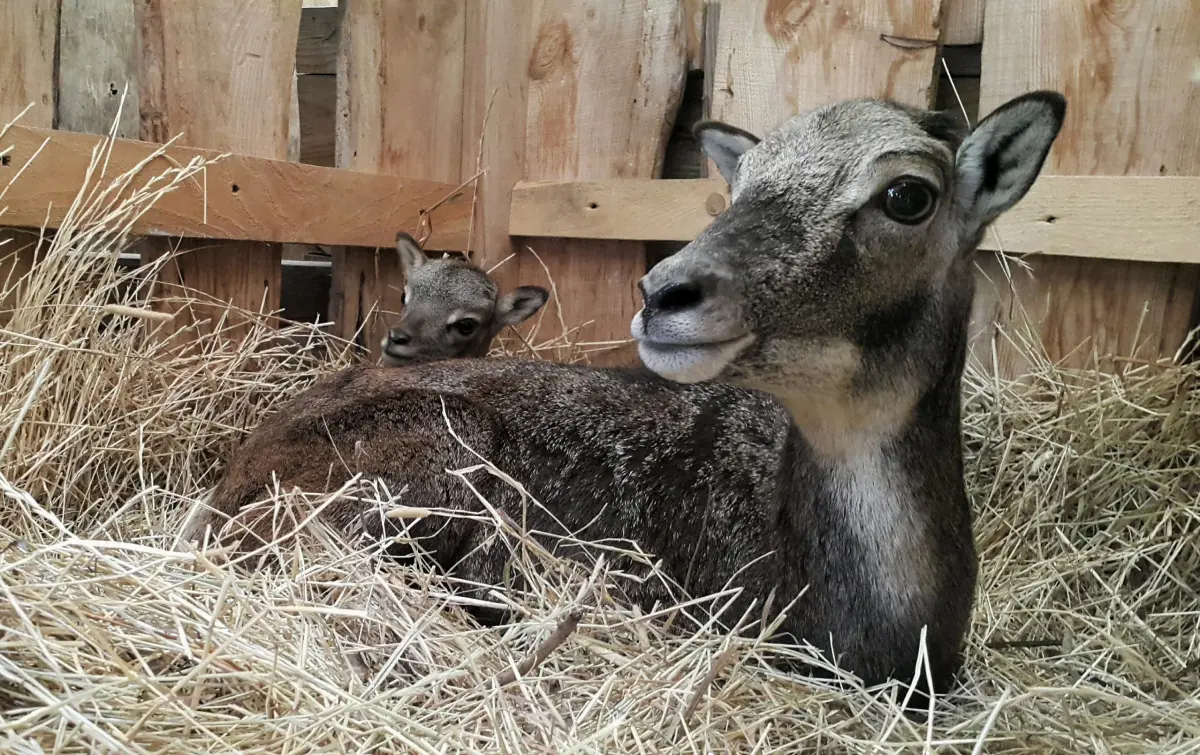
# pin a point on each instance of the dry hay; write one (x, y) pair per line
(113, 638)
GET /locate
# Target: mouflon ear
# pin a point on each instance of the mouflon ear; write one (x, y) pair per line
(411, 256)
(520, 304)
(1000, 159)
(724, 145)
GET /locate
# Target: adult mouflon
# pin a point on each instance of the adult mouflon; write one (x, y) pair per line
(797, 426)
(452, 309)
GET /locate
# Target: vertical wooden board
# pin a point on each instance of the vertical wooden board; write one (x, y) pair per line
(97, 63)
(27, 33)
(693, 24)
(776, 58)
(606, 80)
(220, 74)
(495, 97)
(962, 22)
(1124, 68)
(400, 108)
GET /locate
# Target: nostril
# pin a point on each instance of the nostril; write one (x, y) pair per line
(676, 296)
(399, 338)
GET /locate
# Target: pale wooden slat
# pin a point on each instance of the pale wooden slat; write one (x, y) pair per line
(495, 91)
(400, 108)
(628, 209)
(1131, 111)
(219, 73)
(97, 62)
(276, 200)
(1111, 217)
(962, 22)
(605, 80)
(776, 59)
(27, 32)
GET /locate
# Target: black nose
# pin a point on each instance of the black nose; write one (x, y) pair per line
(674, 296)
(399, 337)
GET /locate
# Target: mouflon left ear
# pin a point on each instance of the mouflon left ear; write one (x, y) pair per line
(1000, 159)
(411, 255)
(520, 304)
(724, 145)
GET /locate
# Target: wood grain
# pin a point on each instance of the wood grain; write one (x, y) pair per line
(400, 110)
(1109, 217)
(606, 80)
(219, 74)
(97, 62)
(1124, 69)
(274, 201)
(962, 22)
(317, 45)
(317, 99)
(776, 58)
(27, 32)
(626, 209)
(495, 96)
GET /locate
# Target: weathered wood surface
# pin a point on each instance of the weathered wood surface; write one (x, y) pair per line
(317, 101)
(618, 209)
(605, 82)
(27, 31)
(1124, 68)
(1105, 217)
(776, 58)
(962, 21)
(97, 67)
(274, 200)
(495, 98)
(219, 74)
(400, 111)
(317, 45)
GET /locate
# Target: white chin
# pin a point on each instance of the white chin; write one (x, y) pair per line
(690, 364)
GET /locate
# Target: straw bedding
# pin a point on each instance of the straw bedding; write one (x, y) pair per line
(113, 637)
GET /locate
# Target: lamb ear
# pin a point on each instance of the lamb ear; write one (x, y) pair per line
(724, 145)
(1001, 158)
(520, 304)
(411, 256)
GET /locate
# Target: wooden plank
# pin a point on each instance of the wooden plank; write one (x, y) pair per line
(605, 83)
(400, 109)
(317, 45)
(274, 200)
(962, 22)
(1131, 111)
(1110, 217)
(27, 33)
(625, 209)
(775, 59)
(219, 74)
(693, 24)
(97, 43)
(317, 95)
(495, 98)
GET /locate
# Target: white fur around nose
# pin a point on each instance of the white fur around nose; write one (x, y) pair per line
(874, 492)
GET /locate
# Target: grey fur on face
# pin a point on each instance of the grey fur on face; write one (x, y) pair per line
(452, 309)
(794, 436)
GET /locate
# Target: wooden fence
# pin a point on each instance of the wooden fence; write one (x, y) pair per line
(554, 134)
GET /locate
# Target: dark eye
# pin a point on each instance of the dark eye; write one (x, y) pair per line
(465, 326)
(908, 201)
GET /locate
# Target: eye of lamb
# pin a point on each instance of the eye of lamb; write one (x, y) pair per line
(908, 201)
(465, 326)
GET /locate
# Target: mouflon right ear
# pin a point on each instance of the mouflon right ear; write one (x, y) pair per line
(1000, 159)
(411, 255)
(724, 145)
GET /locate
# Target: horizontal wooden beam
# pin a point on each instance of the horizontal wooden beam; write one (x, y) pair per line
(237, 197)
(629, 209)
(1154, 219)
